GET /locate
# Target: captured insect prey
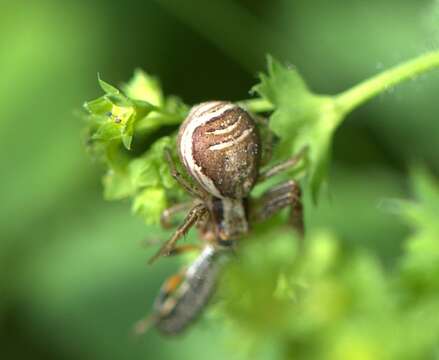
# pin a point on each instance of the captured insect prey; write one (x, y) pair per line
(184, 295)
(220, 147)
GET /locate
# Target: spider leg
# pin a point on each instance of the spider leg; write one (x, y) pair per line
(176, 250)
(192, 217)
(276, 169)
(182, 249)
(169, 213)
(195, 192)
(166, 221)
(286, 194)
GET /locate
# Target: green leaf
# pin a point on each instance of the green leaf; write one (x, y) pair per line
(119, 100)
(114, 120)
(133, 177)
(150, 203)
(175, 105)
(115, 116)
(151, 169)
(421, 263)
(301, 118)
(117, 185)
(107, 88)
(145, 87)
(107, 132)
(151, 173)
(117, 182)
(98, 106)
(426, 190)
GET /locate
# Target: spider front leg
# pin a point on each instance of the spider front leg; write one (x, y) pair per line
(195, 214)
(166, 220)
(170, 212)
(287, 194)
(276, 169)
(177, 249)
(195, 192)
(183, 249)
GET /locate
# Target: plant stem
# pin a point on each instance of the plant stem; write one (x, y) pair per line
(257, 105)
(359, 94)
(352, 98)
(156, 121)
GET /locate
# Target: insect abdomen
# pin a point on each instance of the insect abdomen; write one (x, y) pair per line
(176, 310)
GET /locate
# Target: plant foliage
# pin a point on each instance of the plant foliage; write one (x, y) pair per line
(318, 301)
(329, 302)
(128, 131)
(300, 119)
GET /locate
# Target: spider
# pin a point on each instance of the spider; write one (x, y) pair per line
(219, 146)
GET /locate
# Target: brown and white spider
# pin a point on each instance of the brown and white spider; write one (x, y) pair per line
(220, 147)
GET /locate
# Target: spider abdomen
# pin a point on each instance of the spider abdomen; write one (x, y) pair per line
(219, 145)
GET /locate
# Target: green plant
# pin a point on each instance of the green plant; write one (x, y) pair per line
(331, 302)
(335, 302)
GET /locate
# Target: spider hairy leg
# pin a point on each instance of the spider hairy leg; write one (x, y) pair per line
(168, 214)
(195, 192)
(286, 194)
(279, 168)
(192, 217)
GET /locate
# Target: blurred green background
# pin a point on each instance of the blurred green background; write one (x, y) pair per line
(73, 274)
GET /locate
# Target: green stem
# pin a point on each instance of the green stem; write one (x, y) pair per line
(157, 121)
(359, 94)
(257, 105)
(366, 90)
